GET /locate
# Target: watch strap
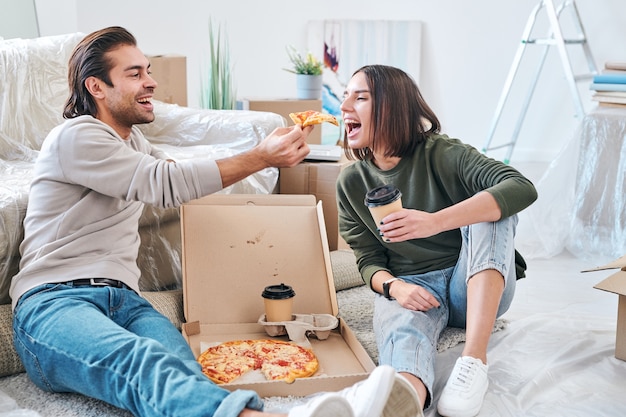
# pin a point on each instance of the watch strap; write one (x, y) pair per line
(386, 286)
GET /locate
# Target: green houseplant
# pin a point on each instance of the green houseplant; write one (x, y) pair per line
(308, 70)
(307, 64)
(217, 87)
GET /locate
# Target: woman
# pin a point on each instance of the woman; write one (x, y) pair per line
(447, 257)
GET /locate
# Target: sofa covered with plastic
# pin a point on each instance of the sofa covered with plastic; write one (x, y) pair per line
(33, 90)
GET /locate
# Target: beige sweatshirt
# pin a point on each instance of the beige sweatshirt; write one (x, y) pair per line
(87, 195)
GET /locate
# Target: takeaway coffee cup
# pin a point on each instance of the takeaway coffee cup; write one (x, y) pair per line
(382, 201)
(278, 301)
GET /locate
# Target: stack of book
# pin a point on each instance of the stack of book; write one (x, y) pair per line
(610, 86)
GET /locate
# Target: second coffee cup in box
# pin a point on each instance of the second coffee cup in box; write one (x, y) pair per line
(278, 301)
(382, 201)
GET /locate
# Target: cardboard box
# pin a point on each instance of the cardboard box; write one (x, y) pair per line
(170, 71)
(235, 245)
(616, 284)
(284, 107)
(318, 179)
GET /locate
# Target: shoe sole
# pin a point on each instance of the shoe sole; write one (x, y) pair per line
(403, 400)
(334, 409)
(325, 406)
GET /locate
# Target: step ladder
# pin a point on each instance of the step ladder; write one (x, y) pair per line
(554, 38)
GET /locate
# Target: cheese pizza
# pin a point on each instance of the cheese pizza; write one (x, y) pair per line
(312, 117)
(277, 360)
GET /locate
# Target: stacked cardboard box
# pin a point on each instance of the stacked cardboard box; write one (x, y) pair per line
(616, 283)
(170, 72)
(318, 179)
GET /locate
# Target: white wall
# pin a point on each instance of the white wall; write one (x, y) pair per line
(467, 50)
(18, 19)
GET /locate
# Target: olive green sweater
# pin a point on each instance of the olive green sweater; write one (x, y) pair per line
(441, 173)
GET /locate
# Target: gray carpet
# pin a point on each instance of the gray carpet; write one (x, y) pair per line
(355, 306)
(45, 404)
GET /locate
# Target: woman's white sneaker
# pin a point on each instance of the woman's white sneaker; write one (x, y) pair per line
(465, 390)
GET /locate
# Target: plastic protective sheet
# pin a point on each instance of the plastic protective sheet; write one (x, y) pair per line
(33, 90)
(549, 365)
(581, 206)
(557, 355)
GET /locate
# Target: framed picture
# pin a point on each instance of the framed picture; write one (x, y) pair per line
(347, 45)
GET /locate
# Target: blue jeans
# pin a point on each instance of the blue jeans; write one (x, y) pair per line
(111, 344)
(407, 340)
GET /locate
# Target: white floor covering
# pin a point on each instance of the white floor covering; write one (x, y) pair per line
(556, 357)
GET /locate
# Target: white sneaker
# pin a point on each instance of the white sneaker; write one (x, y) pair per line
(325, 405)
(403, 400)
(465, 390)
(383, 394)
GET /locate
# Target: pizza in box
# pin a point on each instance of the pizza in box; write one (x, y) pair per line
(277, 360)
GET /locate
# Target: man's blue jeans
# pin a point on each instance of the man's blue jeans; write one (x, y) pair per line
(111, 344)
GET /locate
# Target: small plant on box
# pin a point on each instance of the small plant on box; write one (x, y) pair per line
(308, 64)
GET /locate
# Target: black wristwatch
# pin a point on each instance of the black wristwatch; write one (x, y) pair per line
(386, 286)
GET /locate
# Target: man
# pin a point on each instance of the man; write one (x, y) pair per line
(79, 323)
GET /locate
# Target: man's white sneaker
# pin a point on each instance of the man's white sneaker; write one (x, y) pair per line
(368, 397)
(403, 400)
(325, 405)
(465, 390)
(383, 394)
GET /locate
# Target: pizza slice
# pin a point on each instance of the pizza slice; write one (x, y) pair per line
(312, 117)
(285, 361)
(226, 362)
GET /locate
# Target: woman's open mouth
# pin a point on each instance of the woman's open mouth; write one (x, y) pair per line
(352, 127)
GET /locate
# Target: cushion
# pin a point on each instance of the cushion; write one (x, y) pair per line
(10, 363)
(345, 272)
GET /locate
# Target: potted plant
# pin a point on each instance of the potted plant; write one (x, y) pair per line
(308, 70)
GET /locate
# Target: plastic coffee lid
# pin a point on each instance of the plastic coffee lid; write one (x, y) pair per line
(382, 195)
(278, 292)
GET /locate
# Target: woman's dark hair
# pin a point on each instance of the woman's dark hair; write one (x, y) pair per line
(401, 119)
(89, 60)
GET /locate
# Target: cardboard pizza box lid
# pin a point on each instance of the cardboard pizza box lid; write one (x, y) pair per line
(236, 245)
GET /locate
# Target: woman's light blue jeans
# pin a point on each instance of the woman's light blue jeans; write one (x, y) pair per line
(111, 344)
(407, 340)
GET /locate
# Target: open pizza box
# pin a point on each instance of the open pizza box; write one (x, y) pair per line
(616, 283)
(233, 246)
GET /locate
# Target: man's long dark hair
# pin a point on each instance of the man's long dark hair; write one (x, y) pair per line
(89, 60)
(401, 118)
